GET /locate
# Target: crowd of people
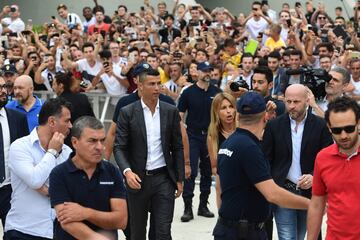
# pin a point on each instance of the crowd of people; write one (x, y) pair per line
(265, 102)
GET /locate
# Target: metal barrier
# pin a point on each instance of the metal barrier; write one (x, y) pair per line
(100, 102)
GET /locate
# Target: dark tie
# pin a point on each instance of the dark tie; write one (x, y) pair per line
(2, 156)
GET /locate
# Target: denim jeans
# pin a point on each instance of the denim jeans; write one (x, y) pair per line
(290, 223)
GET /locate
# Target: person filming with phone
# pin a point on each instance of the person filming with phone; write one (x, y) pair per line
(13, 23)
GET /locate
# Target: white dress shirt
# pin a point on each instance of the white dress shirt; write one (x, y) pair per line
(30, 166)
(155, 156)
(6, 141)
(296, 137)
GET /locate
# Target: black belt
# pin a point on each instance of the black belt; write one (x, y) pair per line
(237, 223)
(197, 131)
(156, 171)
(290, 185)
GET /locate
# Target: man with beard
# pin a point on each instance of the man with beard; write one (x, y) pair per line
(31, 160)
(196, 101)
(25, 101)
(13, 125)
(336, 175)
(99, 26)
(291, 142)
(262, 82)
(9, 75)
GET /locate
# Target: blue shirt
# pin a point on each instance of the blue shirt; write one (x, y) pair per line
(241, 165)
(32, 115)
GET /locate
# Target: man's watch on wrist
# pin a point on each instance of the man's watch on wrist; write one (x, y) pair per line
(53, 152)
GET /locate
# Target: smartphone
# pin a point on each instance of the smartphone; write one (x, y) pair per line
(288, 22)
(106, 64)
(46, 59)
(53, 17)
(131, 57)
(355, 54)
(26, 32)
(13, 9)
(124, 61)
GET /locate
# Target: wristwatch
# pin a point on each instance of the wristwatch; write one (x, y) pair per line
(53, 152)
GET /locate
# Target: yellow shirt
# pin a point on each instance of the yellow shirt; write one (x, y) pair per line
(270, 42)
(163, 77)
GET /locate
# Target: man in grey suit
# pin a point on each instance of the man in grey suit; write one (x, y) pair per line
(148, 149)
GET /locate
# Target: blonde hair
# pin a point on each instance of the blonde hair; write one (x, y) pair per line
(215, 123)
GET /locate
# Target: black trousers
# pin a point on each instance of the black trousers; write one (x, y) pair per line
(158, 195)
(16, 235)
(222, 232)
(5, 196)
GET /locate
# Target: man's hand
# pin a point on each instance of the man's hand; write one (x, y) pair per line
(270, 110)
(44, 190)
(72, 212)
(305, 181)
(56, 142)
(133, 180)
(6, 10)
(180, 188)
(187, 171)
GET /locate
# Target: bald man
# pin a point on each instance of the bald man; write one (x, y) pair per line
(291, 143)
(25, 101)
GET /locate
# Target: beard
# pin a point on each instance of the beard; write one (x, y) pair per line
(3, 102)
(349, 144)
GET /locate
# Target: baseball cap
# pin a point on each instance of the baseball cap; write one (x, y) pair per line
(144, 67)
(251, 103)
(204, 66)
(8, 68)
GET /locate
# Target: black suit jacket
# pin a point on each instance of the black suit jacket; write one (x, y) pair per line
(277, 145)
(130, 148)
(18, 125)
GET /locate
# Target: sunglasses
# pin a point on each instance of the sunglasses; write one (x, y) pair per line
(347, 129)
(321, 17)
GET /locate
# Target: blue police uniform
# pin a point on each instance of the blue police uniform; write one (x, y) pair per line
(241, 165)
(70, 184)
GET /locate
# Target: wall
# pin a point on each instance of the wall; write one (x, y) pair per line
(40, 11)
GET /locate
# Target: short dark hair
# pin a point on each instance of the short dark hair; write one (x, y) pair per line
(246, 55)
(123, 6)
(98, 8)
(229, 42)
(338, 8)
(342, 104)
(266, 71)
(105, 54)
(152, 55)
(296, 52)
(65, 79)
(143, 75)
(85, 122)
(52, 107)
(275, 54)
(256, 3)
(88, 44)
(327, 45)
(133, 49)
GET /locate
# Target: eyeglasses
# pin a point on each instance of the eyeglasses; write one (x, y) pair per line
(347, 129)
(321, 17)
(6, 86)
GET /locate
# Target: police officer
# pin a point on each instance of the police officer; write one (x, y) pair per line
(246, 183)
(196, 101)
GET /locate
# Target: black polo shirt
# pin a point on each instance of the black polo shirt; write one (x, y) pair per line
(70, 184)
(197, 102)
(133, 97)
(241, 165)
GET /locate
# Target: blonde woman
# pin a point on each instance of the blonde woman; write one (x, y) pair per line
(222, 125)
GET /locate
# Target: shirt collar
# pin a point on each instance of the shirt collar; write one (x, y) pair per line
(292, 121)
(34, 136)
(144, 106)
(3, 112)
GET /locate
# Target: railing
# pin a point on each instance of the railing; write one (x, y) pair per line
(100, 102)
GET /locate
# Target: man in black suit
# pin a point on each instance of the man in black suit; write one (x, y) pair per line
(148, 149)
(13, 125)
(291, 143)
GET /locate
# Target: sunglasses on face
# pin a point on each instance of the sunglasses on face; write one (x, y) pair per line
(321, 17)
(347, 129)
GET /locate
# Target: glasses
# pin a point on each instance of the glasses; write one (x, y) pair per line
(321, 17)
(347, 129)
(6, 86)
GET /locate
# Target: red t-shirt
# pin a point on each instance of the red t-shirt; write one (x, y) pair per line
(93, 29)
(338, 177)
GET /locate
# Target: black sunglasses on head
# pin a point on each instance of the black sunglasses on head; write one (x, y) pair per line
(347, 129)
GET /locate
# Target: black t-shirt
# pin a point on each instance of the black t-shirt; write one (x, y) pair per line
(70, 184)
(241, 165)
(197, 102)
(133, 97)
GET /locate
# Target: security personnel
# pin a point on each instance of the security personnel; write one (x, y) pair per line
(247, 187)
(196, 101)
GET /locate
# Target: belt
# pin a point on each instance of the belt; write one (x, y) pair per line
(290, 185)
(156, 171)
(237, 223)
(197, 131)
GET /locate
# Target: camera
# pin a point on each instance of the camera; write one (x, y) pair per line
(13, 9)
(315, 79)
(234, 86)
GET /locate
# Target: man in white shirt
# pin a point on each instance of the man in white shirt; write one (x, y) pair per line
(256, 22)
(45, 74)
(13, 23)
(31, 160)
(89, 18)
(72, 20)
